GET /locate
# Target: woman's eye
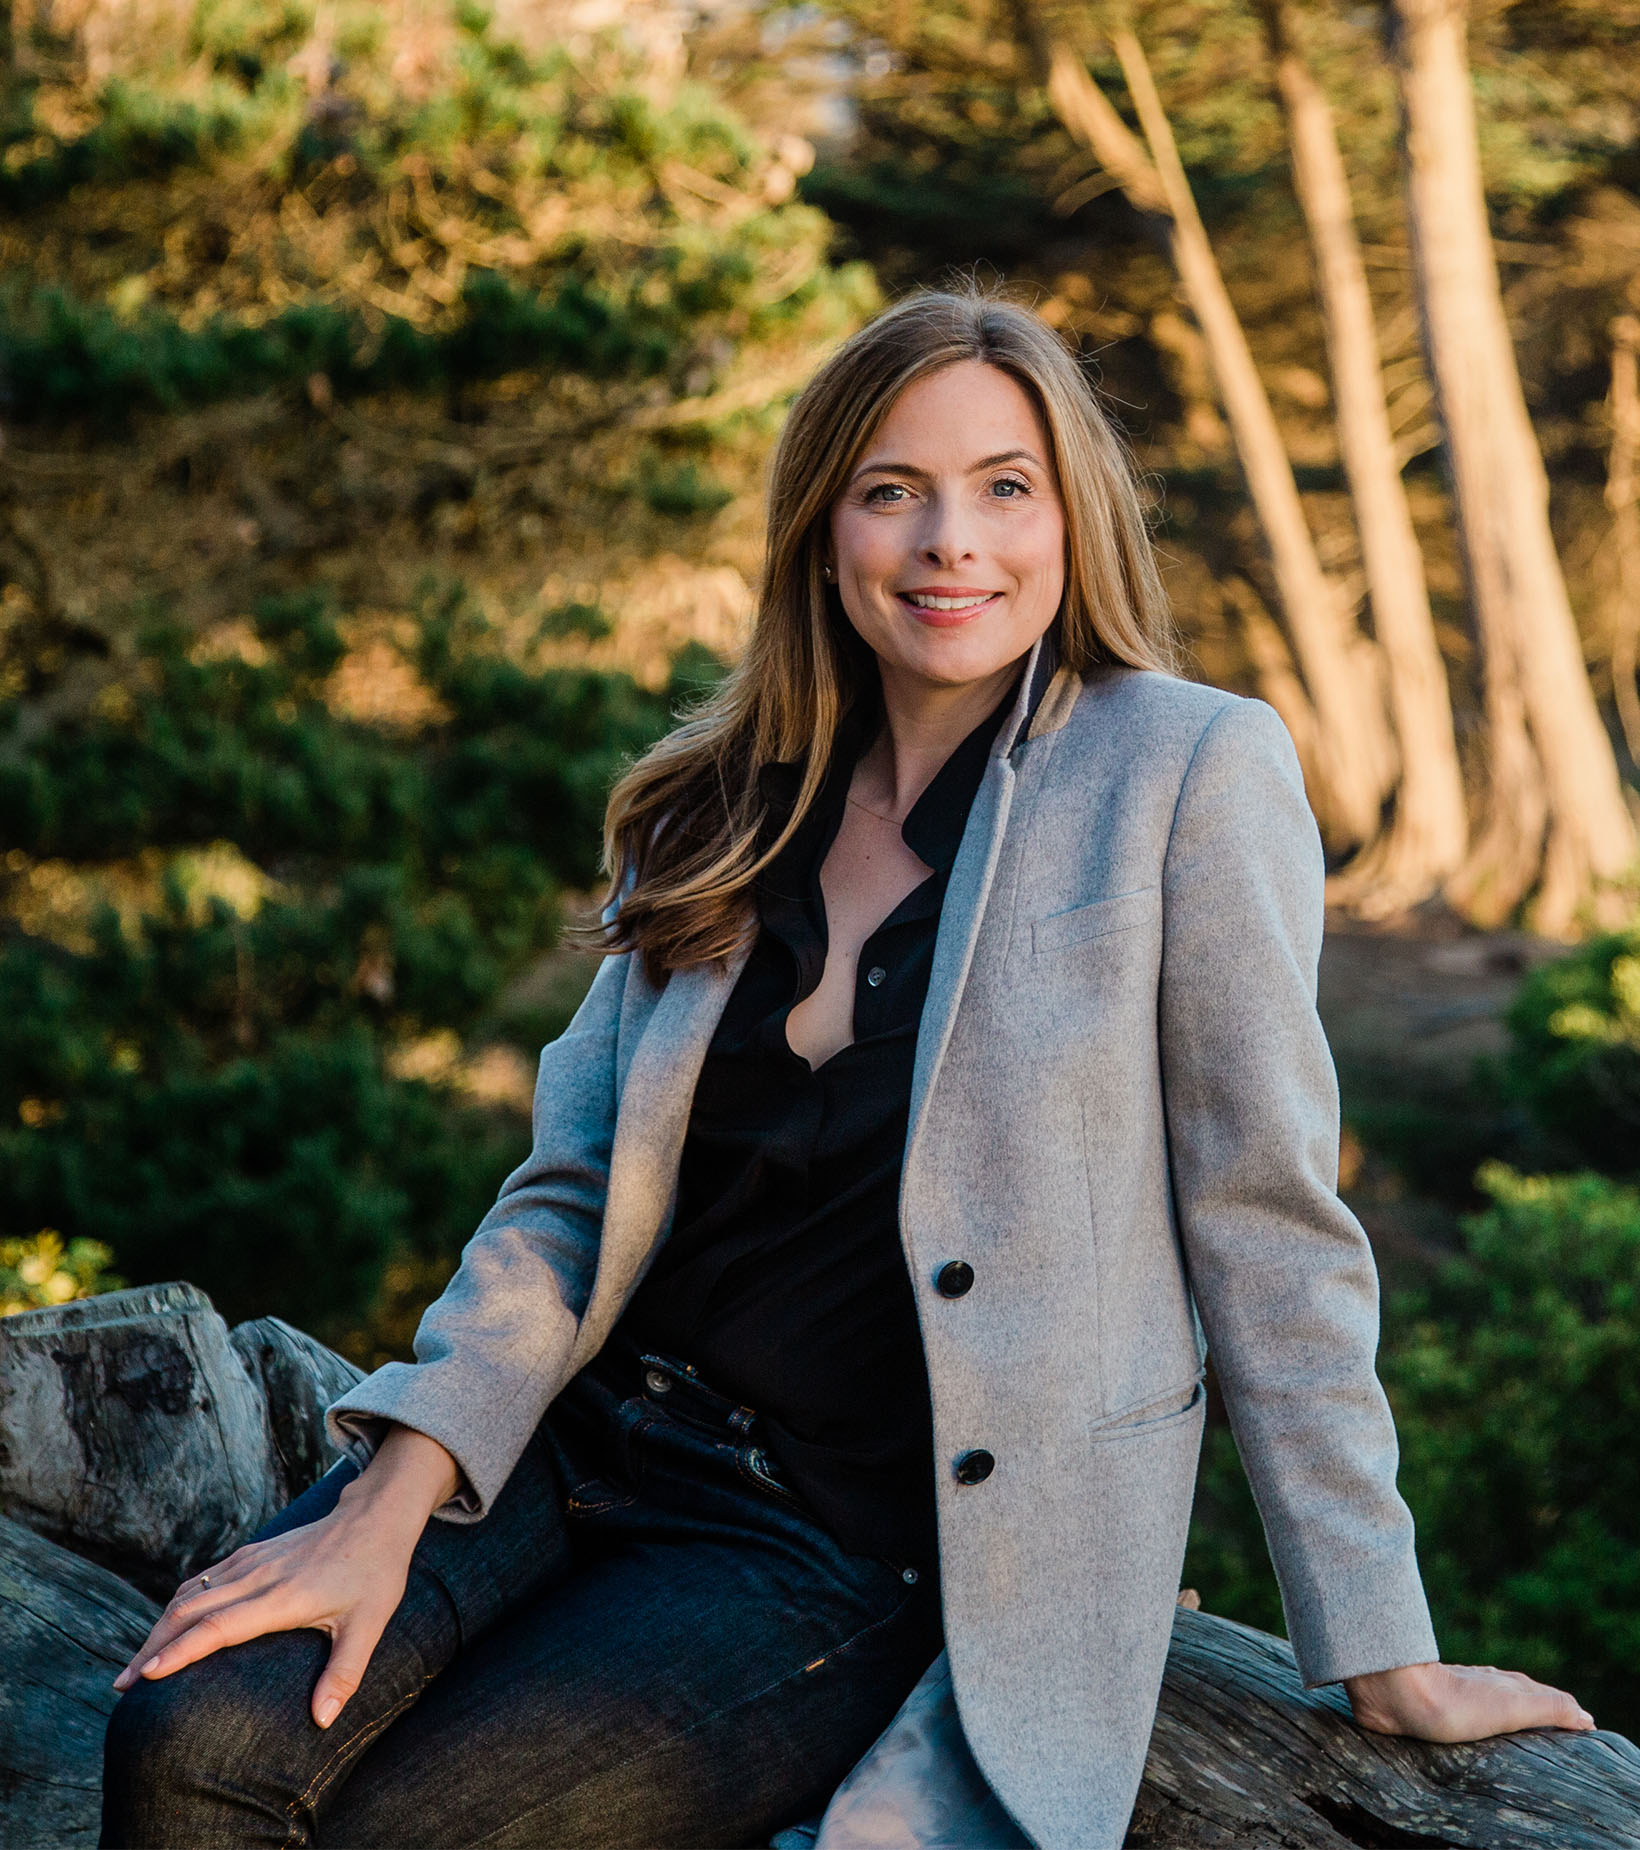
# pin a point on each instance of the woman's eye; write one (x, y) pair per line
(884, 489)
(1014, 485)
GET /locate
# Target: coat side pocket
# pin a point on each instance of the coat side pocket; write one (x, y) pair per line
(1172, 1408)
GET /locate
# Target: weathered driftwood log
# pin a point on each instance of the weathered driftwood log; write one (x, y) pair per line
(299, 1378)
(133, 1430)
(66, 1628)
(132, 1433)
(1244, 1756)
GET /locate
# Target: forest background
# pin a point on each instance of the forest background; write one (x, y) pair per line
(385, 393)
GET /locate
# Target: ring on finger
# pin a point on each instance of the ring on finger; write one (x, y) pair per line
(204, 1580)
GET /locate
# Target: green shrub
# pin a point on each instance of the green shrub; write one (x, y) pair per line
(1574, 1056)
(209, 1077)
(1515, 1379)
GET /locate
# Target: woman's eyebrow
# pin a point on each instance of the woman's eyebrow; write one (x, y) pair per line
(985, 462)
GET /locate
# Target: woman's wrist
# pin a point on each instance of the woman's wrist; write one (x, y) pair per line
(409, 1476)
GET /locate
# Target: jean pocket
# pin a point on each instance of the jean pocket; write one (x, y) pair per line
(757, 1465)
(596, 1496)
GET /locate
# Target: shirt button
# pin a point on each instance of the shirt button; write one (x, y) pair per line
(876, 976)
(974, 1467)
(954, 1278)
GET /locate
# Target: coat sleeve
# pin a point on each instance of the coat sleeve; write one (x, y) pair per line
(1282, 1273)
(492, 1350)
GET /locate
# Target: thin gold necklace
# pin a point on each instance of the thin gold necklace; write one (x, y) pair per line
(893, 821)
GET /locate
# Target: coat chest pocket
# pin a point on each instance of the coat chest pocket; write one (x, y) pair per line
(1096, 919)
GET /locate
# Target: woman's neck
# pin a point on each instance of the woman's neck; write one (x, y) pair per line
(924, 722)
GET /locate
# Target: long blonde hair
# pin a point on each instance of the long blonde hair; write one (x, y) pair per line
(681, 834)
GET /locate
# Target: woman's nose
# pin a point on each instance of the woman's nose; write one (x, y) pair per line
(944, 538)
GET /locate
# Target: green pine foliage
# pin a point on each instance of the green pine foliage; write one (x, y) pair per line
(204, 1078)
(563, 219)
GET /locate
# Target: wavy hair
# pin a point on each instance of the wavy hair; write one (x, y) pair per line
(683, 831)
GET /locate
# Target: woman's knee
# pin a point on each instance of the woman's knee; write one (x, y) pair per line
(234, 1721)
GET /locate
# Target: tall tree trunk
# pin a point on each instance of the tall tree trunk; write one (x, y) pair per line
(1355, 751)
(1521, 608)
(1426, 840)
(1623, 499)
(1354, 742)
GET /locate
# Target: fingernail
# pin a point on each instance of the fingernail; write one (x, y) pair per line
(329, 1709)
(122, 1679)
(1586, 1718)
(152, 1664)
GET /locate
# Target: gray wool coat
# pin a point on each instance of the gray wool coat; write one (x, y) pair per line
(1124, 1116)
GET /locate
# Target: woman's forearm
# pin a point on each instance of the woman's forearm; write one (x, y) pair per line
(408, 1478)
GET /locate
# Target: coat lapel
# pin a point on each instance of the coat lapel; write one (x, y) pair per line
(968, 889)
(652, 1116)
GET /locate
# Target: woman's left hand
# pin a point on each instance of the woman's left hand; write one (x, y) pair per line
(1459, 1702)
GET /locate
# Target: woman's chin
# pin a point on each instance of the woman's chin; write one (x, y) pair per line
(952, 658)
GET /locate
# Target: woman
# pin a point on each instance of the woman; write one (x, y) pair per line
(956, 1078)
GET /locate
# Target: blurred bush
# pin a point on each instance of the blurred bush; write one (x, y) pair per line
(1515, 1379)
(469, 206)
(42, 1271)
(1574, 1057)
(251, 932)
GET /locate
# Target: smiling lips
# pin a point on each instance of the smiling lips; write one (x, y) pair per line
(945, 605)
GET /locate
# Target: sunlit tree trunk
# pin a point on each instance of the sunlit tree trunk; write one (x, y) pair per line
(1522, 612)
(1623, 499)
(1354, 760)
(1426, 840)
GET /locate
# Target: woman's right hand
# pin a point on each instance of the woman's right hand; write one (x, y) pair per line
(343, 1575)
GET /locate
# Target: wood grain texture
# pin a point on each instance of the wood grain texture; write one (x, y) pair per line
(1244, 1756)
(132, 1433)
(299, 1377)
(66, 1628)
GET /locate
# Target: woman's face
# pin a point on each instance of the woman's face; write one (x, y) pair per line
(949, 537)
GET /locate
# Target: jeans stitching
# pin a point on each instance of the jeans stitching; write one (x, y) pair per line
(766, 1485)
(576, 1504)
(327, 1772)
(727, 1708)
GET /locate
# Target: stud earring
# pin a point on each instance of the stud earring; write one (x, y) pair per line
(827, 573)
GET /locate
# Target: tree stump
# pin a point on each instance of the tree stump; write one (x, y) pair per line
(298, 1378)
(132, 1433)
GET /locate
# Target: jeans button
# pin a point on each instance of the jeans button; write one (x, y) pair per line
(974, 1467)
(657, 1381)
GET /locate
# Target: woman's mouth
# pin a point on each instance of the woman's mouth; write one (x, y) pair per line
(948, 605)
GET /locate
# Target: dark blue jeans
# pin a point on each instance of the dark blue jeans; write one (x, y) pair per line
(648, 1642)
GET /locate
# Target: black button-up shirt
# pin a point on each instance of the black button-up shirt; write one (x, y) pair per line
(783, 1282)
